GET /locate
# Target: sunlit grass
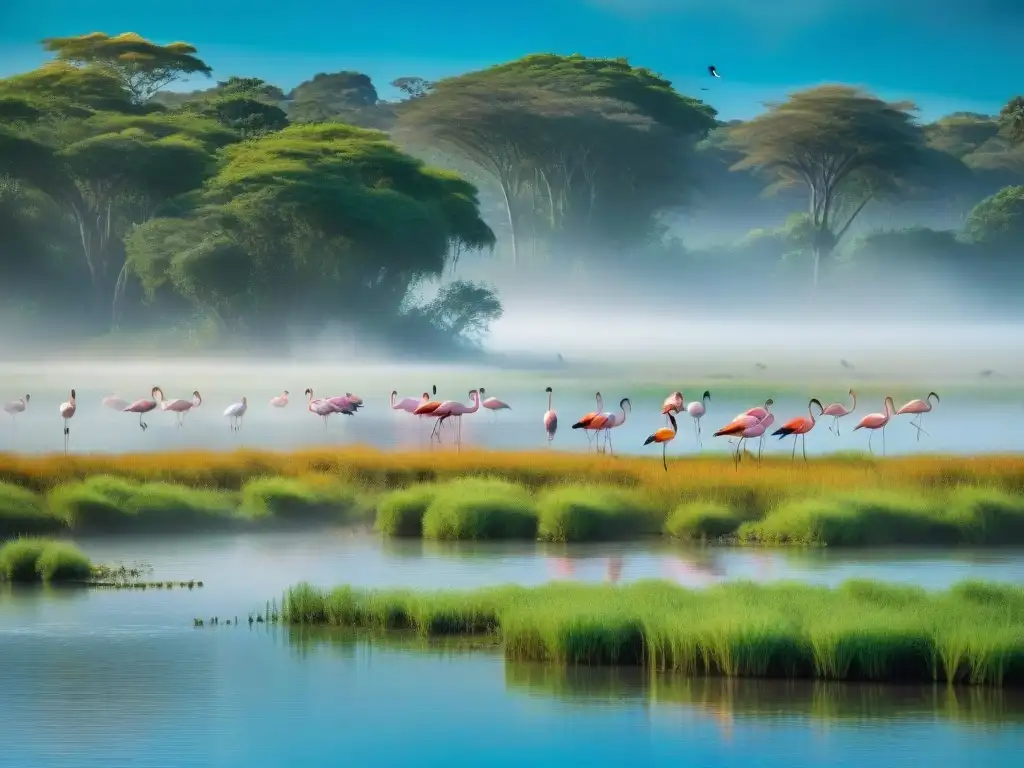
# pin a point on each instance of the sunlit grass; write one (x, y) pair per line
(31, 559)
(973, 633)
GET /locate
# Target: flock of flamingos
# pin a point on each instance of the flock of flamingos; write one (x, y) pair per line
(751, 424)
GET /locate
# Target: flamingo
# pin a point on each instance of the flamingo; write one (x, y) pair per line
(407, 404)
(875, 421)
(799, 427)
(920, 408)
(180, 407)
(281, 400)
(429, 408)
(17, 406)
(116, 402)
(493, 404)
(744, 427)
(608, 420)
(764, 416)
(674, 403)
(837, 411)
(322, 407)
(144, 406)
(67, 410)
(664, 436)
(235, 412)
(450, 408)
(584, 422)
(550, 419)
(697, 409)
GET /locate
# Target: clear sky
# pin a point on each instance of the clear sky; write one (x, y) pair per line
(946, 55)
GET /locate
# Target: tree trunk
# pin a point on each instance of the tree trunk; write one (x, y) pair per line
(505, 192)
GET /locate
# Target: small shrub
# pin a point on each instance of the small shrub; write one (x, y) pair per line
(702, 521)
(480, 509)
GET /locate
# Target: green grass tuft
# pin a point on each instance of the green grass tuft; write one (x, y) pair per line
(23, 512)
(300, 500)
(480, 508)
(702, 521)
(400, 513)
(862, 630)
(578, 513)
(30, 559)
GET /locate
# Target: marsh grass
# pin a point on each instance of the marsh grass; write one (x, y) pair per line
(862, 630)
(850, 500)
(310, 499)
(480, 508)
(32, 559)
(595, 513)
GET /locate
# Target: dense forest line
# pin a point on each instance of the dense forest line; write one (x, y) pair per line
(242, 211)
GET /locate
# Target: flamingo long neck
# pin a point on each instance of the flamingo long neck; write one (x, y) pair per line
(600, 403)
(197, 399)
(704, 400)
(767, 406)
(854, 396)
(549, 400)
(311, 395)
(809, 411)
(158, 394)
(623, 407)
(889, 407)
(393, 394)
(928, 400)
(475, 397)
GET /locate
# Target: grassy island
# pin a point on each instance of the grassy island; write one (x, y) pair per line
(845, 500)
(863, 630)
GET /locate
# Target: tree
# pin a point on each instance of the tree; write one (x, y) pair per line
(845, 146)
(1012, 117)
(249, 116)
(141, 66)
(576, 147)
(413, 87)
(464, 309)
(311, 222)
(998, 221)
(327, 96)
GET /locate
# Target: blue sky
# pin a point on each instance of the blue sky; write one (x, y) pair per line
(946, 55)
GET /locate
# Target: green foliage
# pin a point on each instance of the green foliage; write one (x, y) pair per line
(474, 509)
(400, 513)
(862, 630)
(702, 521)
(141, 66)
(593, 514)
(998, 221)
(23, 512)
(29, 560)
(284, 499)
(1012, 118)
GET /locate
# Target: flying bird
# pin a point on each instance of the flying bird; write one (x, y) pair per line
(847, 365)
(713, 71)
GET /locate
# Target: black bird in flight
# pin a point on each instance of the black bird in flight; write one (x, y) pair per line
(845, 364)
(713, 72)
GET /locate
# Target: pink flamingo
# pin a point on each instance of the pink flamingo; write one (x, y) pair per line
(550, 419)
(407, 404)
(180, 407)
(674, 404)
(450, 408)
(67, 410)
(837, 411)
(697, 409)
(585, 421)
(323, 407)
(919, 407)
(429, 409)
(281, 400)
(799, 427)
(347, 404)
(764, 416)
(875, 421)
(144, 406)
(493, 404)
(17, 406)
(115, 402)
(744, 427)
(608, 420)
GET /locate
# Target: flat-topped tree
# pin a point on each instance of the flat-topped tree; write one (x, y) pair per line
(1012, 117)
(845, 146)
(142, 66)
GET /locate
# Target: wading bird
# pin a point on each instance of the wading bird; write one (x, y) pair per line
(235, 412)
(764, 417)
(799, 427)
(281, 400)
(493, 404)
(180, 407)
(875, 421)
(428, 409)
(743, 427)
(322, 407)
(920, 408)
(674, 403)
(584, 422)
(407, 404)
(550, 418)
(452, 408)
(17, 406)
(67, 411)
(608, 420)
(837, 411)
(114, 401)
(665, 435)
(697, 409)
(145, 406)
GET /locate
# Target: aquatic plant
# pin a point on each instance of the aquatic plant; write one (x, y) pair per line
(400, 513)
(31, 559)
(480, 508)
(581, 513)
(23, 512)
(973, 633)
(306, 499)
(702, 521)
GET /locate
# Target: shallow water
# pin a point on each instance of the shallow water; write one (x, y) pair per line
(966, 421)
(107, 679)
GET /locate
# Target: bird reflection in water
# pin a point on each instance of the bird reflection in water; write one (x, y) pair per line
(565, 568)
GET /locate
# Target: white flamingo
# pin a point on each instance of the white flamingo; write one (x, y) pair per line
(67, 410)
(17, 406)
(235, 412)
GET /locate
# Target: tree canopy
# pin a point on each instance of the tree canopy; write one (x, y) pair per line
(1012, 117)
(843, 145)
(141, 66)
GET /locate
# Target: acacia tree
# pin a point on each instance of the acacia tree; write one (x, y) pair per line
(560, 135)
(1012, 116)
(142, 67)
(845, 146)
(311, 222)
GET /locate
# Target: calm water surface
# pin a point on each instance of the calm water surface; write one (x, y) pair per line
(110, 679)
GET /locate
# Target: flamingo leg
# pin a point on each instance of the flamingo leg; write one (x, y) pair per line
(793, 457)
(608, 440)
(664, 459)
(871, 434)
(142, 423)
(803, 445)
(837, 427)
(883, 441)
(67, 436)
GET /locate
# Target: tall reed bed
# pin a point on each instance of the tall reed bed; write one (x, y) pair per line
(973, 633)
